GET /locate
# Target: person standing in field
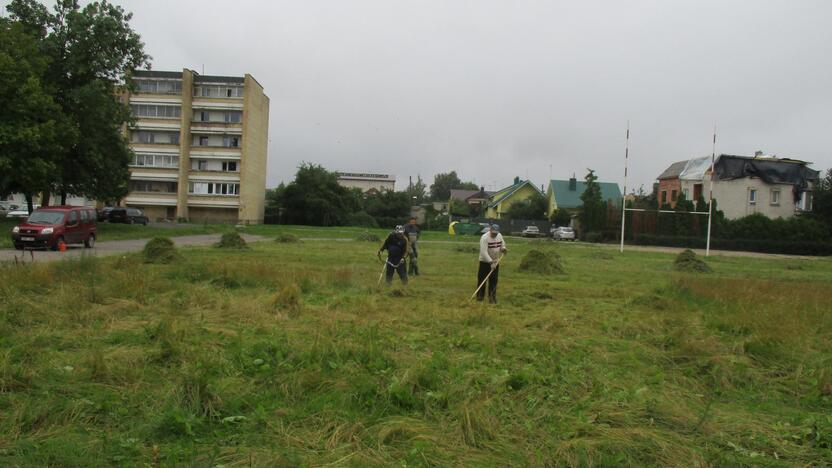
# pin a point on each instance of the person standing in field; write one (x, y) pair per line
(397, 247)
(492, 246)
(413, 233)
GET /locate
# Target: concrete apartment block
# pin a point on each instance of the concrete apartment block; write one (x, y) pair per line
(201, 147)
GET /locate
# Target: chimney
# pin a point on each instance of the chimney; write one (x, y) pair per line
(573, 183)
(482, 188)
(516, 180)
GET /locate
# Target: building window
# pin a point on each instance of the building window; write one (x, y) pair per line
(686, 193)
(202, 165)
(231, 141)
(775, 197)
(664, 197)
(697, 191)
(155, 160)
(204, 116)
(229, 166)
(155, 111)
(674, 195)
(152, 186)
(203, 140)
(218, 91)
(158, 86)
(233, 117)
(752, 197)
(213, 188)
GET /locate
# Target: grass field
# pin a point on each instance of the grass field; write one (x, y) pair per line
(288, 354)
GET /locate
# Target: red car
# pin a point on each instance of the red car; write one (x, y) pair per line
(48, 227)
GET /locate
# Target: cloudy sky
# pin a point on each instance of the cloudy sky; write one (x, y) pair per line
(497, 89)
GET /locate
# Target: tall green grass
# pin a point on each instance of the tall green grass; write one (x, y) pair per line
(289, 354)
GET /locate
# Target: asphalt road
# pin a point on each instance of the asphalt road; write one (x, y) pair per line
(110, 248)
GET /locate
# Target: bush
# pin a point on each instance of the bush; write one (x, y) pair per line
(688, 262)
(160, 250)
(542, 262)
(361, 219)
(232, 240)
(368, 237)
(287, 238)
(594, 237)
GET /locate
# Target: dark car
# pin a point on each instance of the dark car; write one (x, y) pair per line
(49, 227)
(104, 213)
(127, 216)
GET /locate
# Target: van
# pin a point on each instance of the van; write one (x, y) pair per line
(47, 227)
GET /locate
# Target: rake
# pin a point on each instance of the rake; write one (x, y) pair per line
(486, 279)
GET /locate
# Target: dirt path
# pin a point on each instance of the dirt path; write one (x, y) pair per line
(112, 248)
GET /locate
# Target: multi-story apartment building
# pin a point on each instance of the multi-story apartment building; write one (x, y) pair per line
(367, 183)
(200, 145)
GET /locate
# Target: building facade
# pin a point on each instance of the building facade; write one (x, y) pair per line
(201, 147)
(367, 183)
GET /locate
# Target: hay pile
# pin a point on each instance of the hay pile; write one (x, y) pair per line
(160, 250)
(688, 262)
(467, 248)
(288, 300)
(232, 240)
(368, 237)
(542, 262)
(287, 238)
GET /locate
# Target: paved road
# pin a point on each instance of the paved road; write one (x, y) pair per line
(113, 248)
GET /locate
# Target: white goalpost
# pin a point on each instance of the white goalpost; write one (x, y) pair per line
(708, 213)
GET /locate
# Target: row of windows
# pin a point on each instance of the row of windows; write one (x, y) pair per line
(774, 197)
(152, 186)
(159, 87)
(227, 141)
(156, 111)
(224, 166)
(156, 160)
(167, 138)
(213, 188)
(218, 91)
(227, 116)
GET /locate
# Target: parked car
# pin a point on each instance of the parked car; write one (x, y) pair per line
(48, 227)
(20, 212)
(127, 216)
(104, 213)
(531, 231)
(563, 233)
(6, 206)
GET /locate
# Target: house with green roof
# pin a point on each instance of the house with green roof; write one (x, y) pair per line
(500, 201)
(566, 194)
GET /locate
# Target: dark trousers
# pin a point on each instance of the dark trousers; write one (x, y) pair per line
(413, 263)
(485, 268)
(400, 267)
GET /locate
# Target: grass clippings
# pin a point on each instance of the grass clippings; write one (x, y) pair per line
(688, 262)
(232, 240)
(286, 238)
(367, 236)
(542, 262)
(160, 250)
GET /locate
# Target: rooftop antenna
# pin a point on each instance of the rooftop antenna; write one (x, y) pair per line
(203, 68)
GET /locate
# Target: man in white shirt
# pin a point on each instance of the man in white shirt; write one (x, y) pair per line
(492, 248)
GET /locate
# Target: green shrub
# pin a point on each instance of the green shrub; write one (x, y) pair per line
(160, 250)
(232, 240)
(367, 236)
(594, 237)
(361, 219)
(782, 246)
(542, 262)
(287, 238)
(688, 262)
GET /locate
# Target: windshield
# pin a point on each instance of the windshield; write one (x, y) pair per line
(46, 217)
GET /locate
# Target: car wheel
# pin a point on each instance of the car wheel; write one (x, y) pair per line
(130, 221)
(90, 242)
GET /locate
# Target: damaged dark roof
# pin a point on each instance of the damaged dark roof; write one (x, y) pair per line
(769, 170)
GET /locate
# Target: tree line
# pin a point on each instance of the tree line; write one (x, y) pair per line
(61, 129)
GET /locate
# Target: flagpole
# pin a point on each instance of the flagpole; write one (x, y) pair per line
(711, 197)
(624, 195)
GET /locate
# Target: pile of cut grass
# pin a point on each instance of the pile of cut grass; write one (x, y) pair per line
(160, 250)
(688, 262)
(232, 240)
(367, 236)
(286, 238)
(542, 262)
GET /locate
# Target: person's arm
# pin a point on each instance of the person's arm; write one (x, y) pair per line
(504, 249)
(384, 245)
(484, 249)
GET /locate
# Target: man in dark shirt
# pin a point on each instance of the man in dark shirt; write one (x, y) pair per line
(396, 246)
(411, 230)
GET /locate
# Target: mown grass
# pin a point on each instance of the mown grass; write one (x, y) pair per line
(288, 354)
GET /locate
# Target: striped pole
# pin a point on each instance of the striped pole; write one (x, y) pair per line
(624, 196)
(711, 197)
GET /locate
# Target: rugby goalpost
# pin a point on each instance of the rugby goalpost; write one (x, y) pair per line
(624, 208)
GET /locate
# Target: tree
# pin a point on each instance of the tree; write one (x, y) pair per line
(459, 208)
(562, 217)
(90, 54)
(822, 204)
(416, 192)
(443, 183)
(532, 208)
(315, 198)
(31, 123)
(387, 206)
(593, 213)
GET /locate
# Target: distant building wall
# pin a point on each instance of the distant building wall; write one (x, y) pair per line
(367, 182)
(734, 197)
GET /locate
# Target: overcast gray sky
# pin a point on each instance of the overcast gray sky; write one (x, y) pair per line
(494, 89)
